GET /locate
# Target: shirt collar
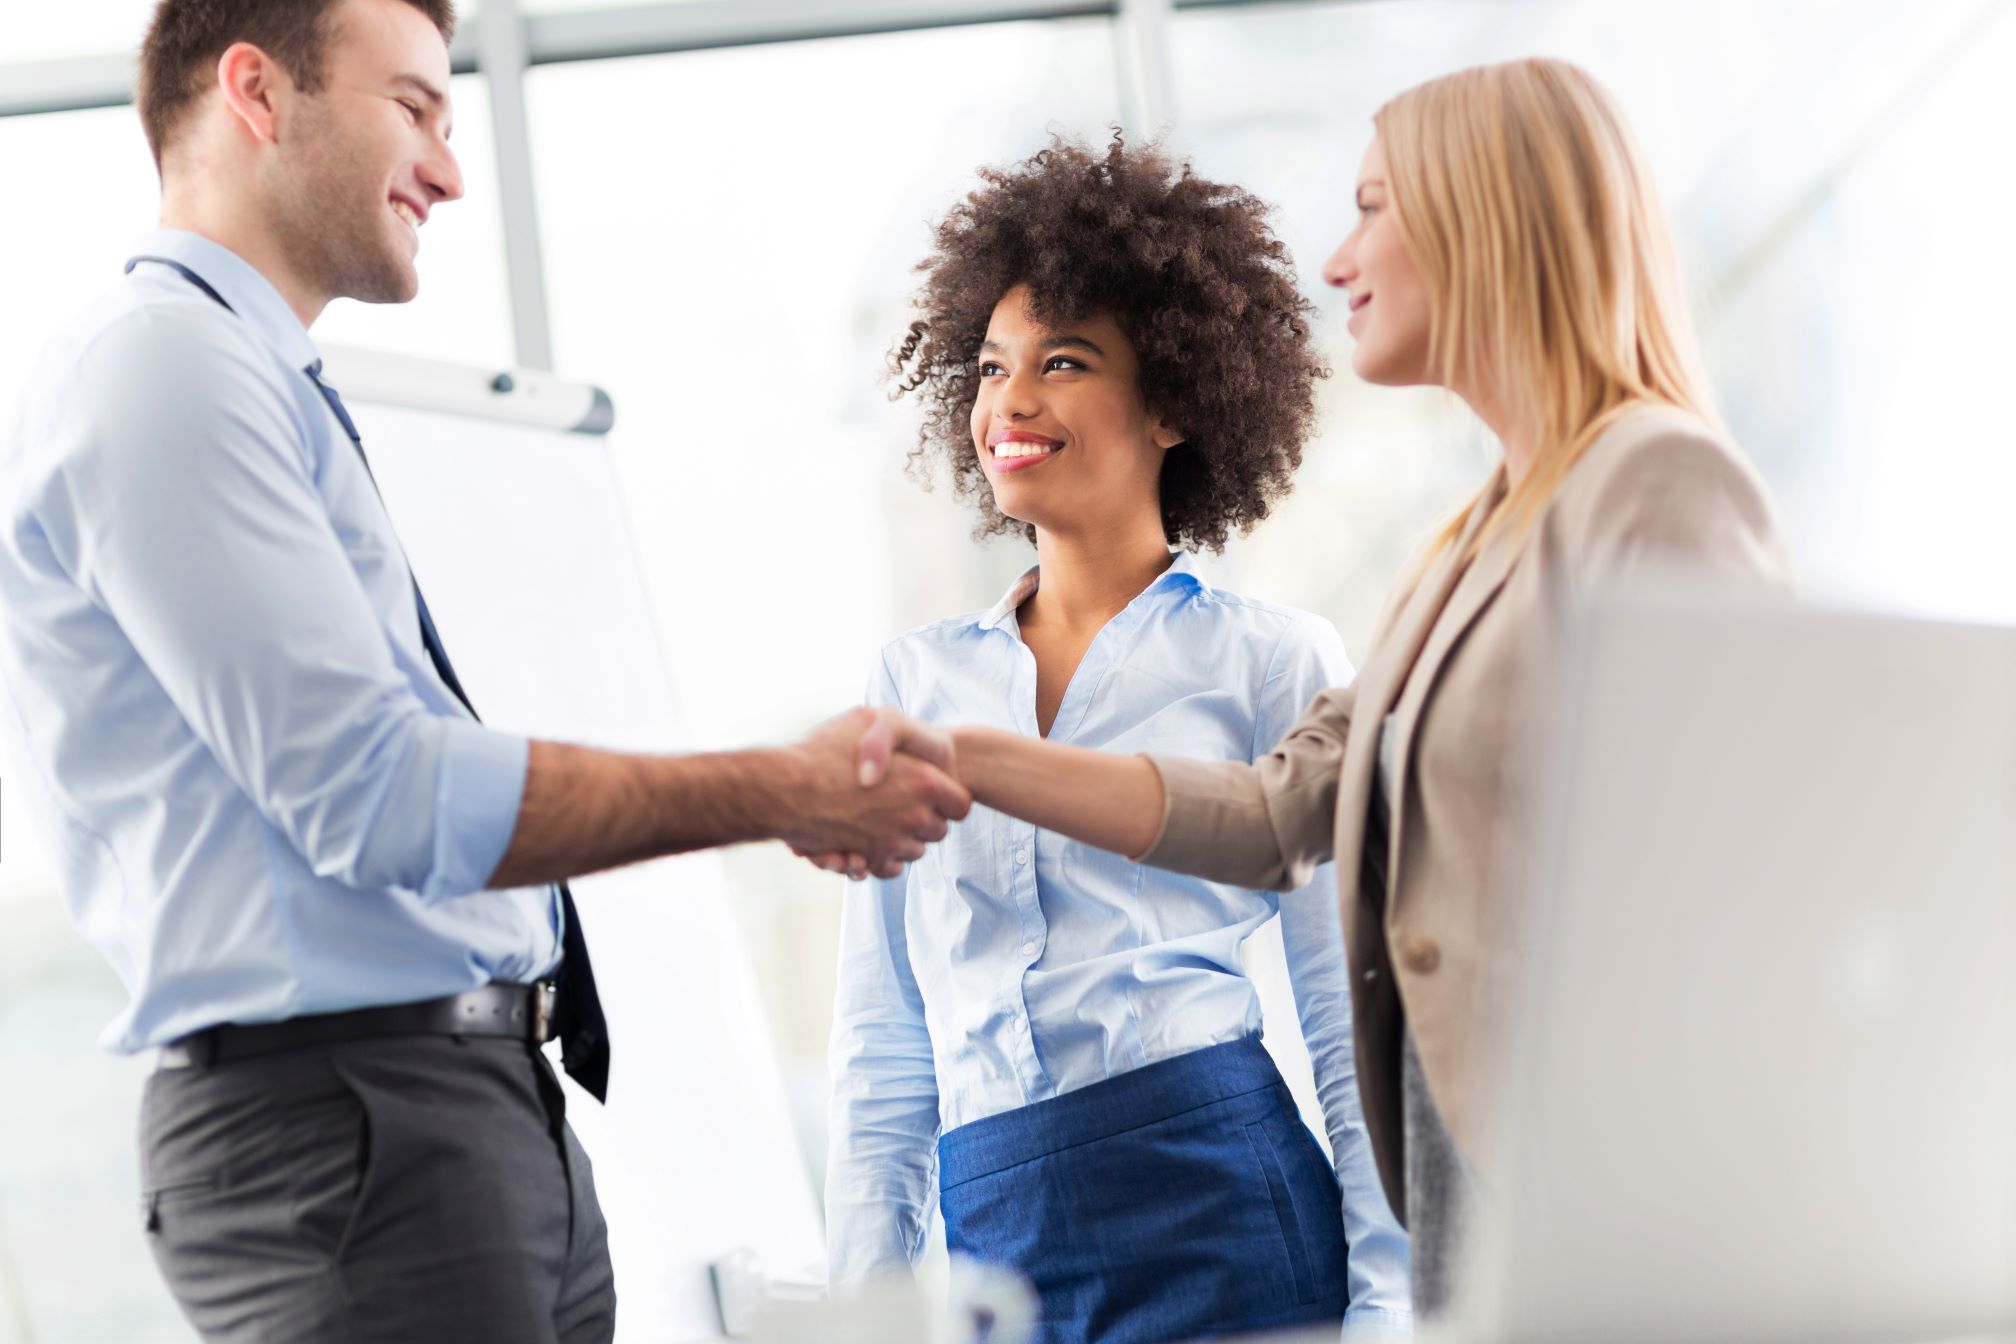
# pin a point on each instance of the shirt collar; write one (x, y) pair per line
(1182, 571)
(250, 294)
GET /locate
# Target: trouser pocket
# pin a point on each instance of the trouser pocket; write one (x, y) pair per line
(151, 1199)
(250, 1174)
(330, 1142)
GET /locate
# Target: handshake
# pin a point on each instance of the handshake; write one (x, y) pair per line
(865, 794)
(869, 791)
(877, 787)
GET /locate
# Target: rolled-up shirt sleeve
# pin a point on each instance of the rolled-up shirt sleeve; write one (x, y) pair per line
(186, 507)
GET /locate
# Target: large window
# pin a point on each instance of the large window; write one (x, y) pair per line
(35, 32)
(1827, 174)
(97, 192)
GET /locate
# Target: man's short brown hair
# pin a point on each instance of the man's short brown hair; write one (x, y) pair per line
(187, 37)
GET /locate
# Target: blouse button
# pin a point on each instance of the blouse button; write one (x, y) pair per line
(1421, 956)
(1021, 856)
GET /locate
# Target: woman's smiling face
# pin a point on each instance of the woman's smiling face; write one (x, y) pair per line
(1066, 440)
(1389, 299)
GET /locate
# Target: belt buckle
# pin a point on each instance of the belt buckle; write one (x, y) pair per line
(197, 1050)
(542, 1012)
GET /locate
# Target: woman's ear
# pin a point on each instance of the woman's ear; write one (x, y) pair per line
(1165, 435)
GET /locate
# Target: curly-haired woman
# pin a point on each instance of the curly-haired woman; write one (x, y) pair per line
(1114, 358)
(1509, 248)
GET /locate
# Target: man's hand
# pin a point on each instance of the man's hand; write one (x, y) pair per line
(1103, 799)
(892, 732)
(876, 788)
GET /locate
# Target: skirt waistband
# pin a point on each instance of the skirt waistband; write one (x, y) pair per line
(1139, 1097)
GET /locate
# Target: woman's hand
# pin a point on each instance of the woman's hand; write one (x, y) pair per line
(1101, 798)
(903, 804)
(887, 734)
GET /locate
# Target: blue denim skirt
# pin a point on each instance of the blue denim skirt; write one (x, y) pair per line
(1179, 1201)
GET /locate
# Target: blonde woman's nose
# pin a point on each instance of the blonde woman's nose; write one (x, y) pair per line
(1342, 268)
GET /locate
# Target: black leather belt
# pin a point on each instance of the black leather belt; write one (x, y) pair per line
(519, 1012)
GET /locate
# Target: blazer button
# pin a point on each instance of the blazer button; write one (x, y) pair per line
(1421, 956)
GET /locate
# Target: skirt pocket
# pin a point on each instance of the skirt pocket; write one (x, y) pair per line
(1293, 1242)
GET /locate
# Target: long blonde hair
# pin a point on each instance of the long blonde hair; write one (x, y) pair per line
(1527, 208)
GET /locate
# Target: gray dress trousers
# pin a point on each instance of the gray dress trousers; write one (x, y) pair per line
(410, 1188)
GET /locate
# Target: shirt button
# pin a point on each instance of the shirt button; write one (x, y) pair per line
(1021, 856)
(1028, 949)
(1421, 956)
(1022, 1025)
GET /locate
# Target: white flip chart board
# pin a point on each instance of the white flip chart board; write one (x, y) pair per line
(520, 539)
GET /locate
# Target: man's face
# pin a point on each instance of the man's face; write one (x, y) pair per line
(363, 162)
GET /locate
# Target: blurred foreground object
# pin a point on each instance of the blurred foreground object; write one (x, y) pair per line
(984, 1305)
(1760, 1059)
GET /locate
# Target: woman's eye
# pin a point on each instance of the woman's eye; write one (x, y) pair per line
(1056, 361)
(989, 369)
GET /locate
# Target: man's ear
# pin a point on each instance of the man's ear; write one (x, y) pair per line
(252, 84)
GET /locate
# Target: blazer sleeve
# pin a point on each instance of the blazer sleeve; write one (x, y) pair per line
(1268, 824)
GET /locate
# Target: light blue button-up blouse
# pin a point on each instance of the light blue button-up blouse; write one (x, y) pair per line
(1012, 965)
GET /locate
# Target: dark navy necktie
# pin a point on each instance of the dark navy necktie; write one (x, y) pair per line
(578, 1019)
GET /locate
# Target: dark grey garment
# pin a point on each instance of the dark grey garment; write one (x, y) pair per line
(414, 1188)
(1439, 1189)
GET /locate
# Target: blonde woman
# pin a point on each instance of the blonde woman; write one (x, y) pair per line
(1510, 249)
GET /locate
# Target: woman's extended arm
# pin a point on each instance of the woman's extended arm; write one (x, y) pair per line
(1098, 797)
(1267, 824)
(1111, 801)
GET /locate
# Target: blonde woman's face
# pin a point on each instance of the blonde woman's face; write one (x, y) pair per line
(1389, 303)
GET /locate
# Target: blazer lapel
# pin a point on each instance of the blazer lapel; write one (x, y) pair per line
(1389, 670)
(1479, 584)
(1472, 594)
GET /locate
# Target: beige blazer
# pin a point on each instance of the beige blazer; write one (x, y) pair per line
(1457, 659)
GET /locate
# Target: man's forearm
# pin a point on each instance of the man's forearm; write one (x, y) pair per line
(1098, 797)
(585, 810)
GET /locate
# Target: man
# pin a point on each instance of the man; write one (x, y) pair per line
(324, 883)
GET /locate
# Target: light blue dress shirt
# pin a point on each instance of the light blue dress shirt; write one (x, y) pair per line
(262, 799)
(1011, 965)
